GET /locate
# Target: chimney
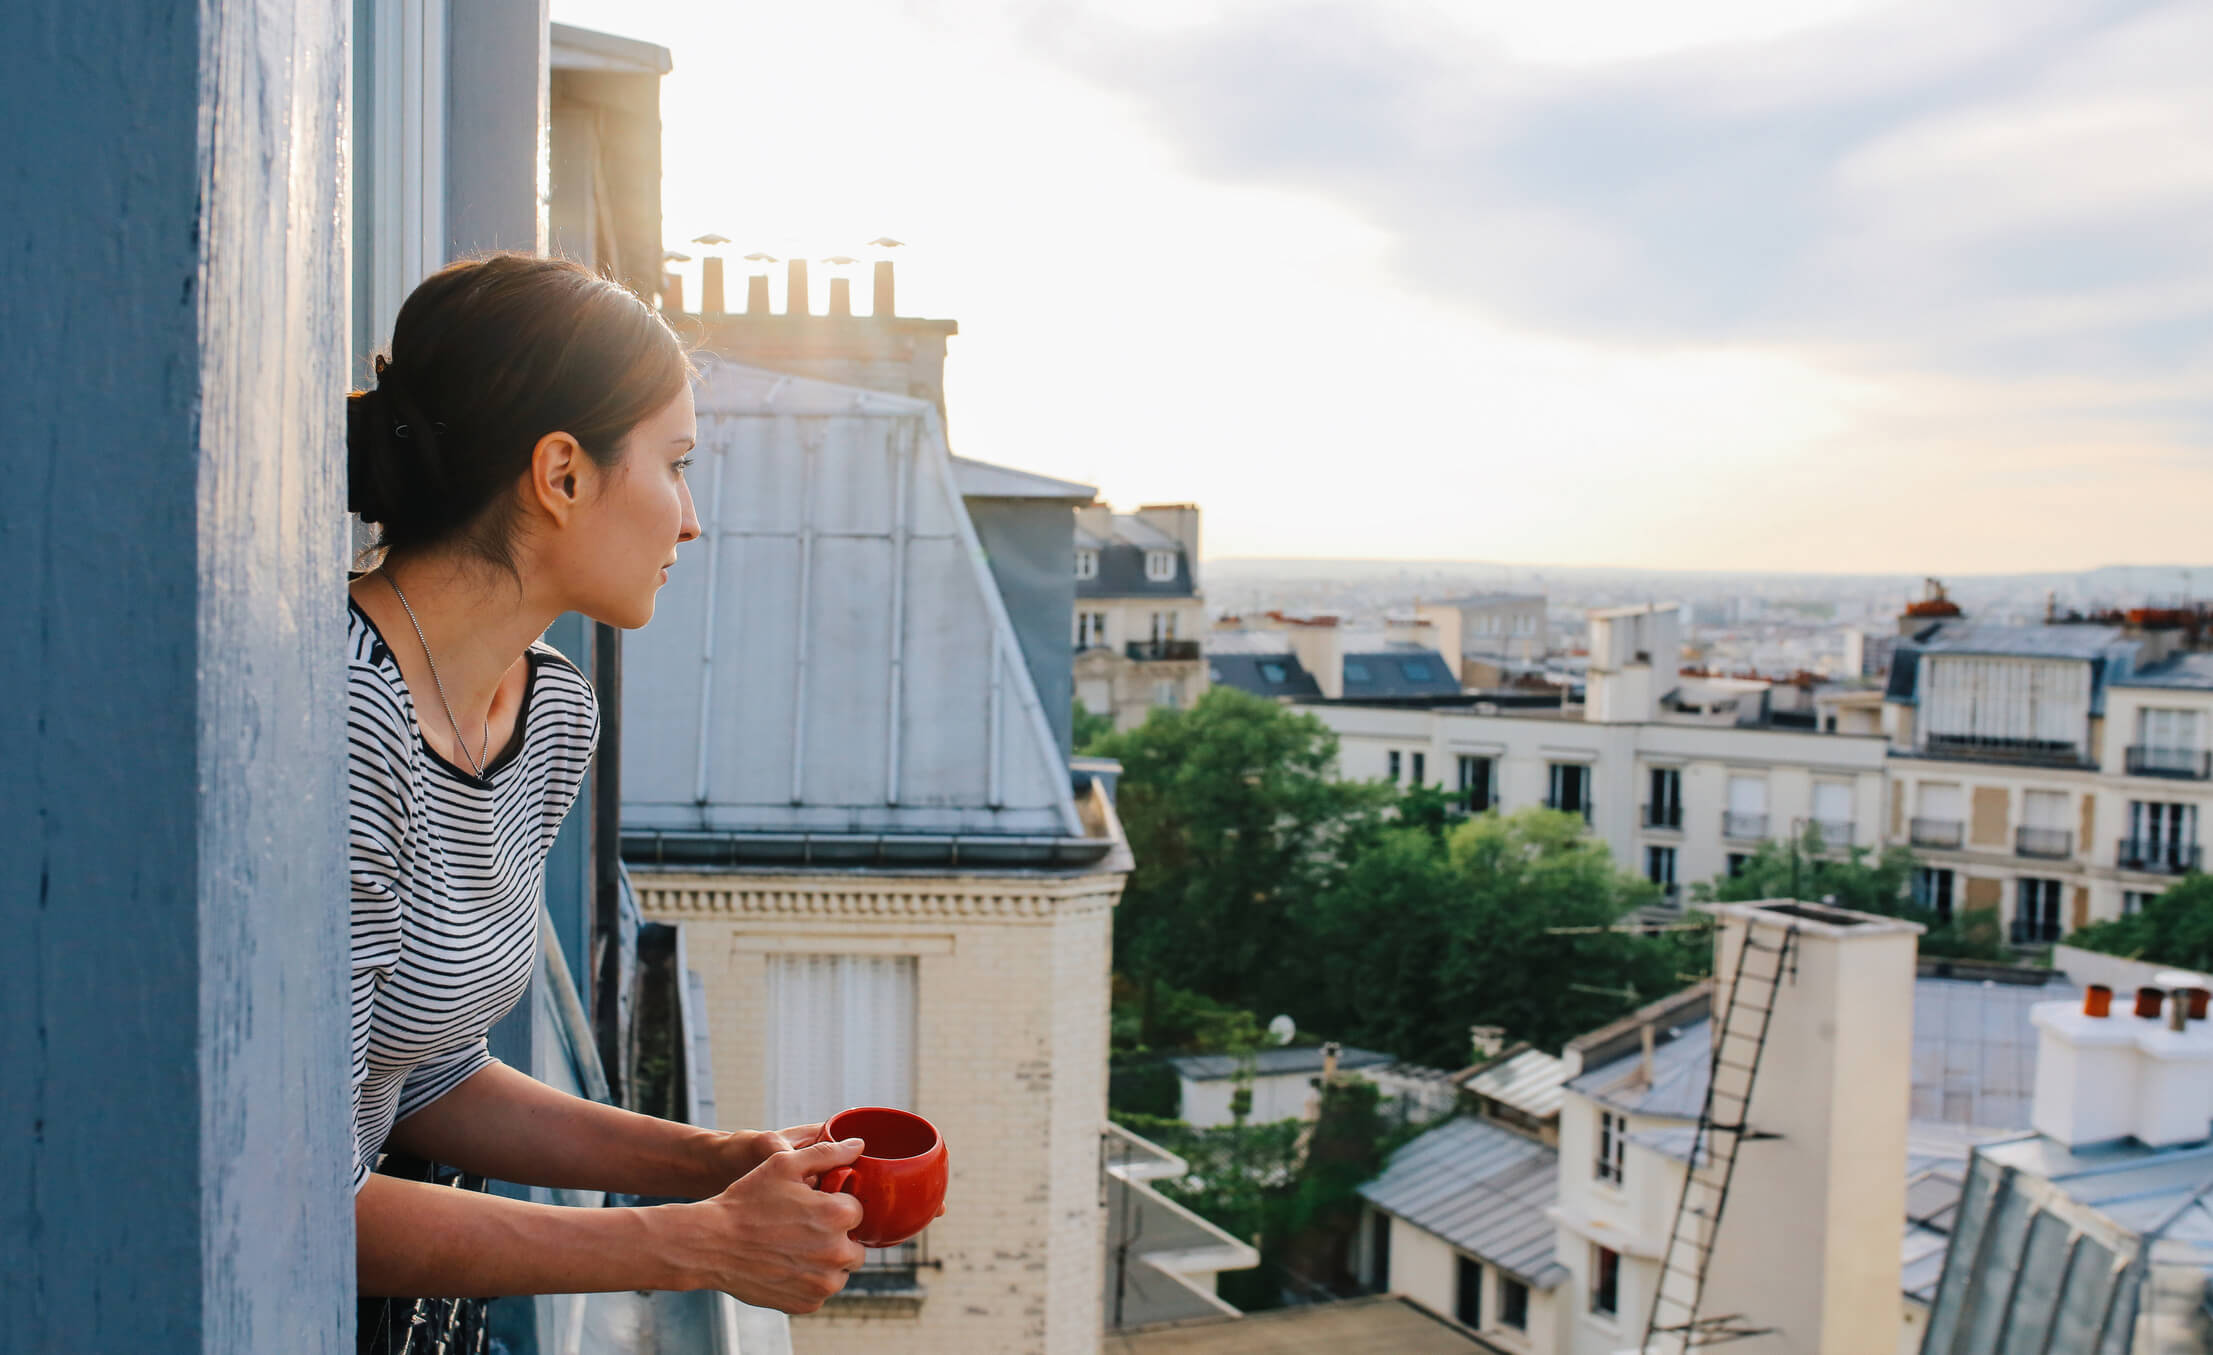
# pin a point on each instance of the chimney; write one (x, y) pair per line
(1320, 647)
(756, 294)
(883, 303)
(841, 297)
(710, 285)
(797, 301)
(672, 293)
(1816, 1257)
(2147, 1075)
(1181, 521)
(1330, 1053)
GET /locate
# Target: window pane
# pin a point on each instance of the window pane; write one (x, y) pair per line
(841, 1034)
(1468, 1293)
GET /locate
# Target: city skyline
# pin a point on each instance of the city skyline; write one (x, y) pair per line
(1822, 290)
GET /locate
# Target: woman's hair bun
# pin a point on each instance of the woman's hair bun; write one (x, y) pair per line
(393, 468)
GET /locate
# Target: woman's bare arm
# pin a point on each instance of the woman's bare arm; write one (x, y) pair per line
(505, 1124)
(770, 1238)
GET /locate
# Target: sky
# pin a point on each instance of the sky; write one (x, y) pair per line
(1827, 285)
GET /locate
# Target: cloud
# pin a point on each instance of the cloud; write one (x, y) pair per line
(1975, 188)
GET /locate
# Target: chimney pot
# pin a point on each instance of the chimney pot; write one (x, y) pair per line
(841, 296)
(2097, 1001)
(2147, 1002)
(2178, 1010)
(797, 301)
(756, 294)
(672, 293)
(1330, 1052)
(882, 302)
(710, 285)
(2198, 1000)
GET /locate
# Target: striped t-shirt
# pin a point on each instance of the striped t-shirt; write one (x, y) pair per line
(447, 873)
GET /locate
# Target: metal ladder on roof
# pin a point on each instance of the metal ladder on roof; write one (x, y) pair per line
(1677, 1323)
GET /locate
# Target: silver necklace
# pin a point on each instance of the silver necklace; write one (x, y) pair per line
(439, 683)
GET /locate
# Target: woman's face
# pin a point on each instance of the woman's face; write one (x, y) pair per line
(631, 527)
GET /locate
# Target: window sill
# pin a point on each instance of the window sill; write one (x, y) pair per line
(886, 1299)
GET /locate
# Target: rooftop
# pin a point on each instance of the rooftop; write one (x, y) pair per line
(983, 480)
(2107, 1248)
(1532, 1082)
(1279, 1062)
(2192, 672)
(796, 689)
(1485, 1189)
(2035, 642)
(1379, 1324)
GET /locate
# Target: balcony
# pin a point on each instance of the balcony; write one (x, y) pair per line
(1664, 816)
(2035, 931)
(1744, 827)
(2024, 752)
(1947, 833)
(1162, 651)
(2186, 764)
(2157, 856)
(2048, 844)
(1567, 807)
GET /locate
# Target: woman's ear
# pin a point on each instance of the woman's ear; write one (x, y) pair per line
(558, 467)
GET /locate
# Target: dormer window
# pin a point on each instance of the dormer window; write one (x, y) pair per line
(1160, 565)
(1087, 564)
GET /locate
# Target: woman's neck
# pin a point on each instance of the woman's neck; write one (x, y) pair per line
(476, 622)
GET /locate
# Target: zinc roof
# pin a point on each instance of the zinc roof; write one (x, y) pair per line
(1280, 1062)
(1532, 1082)
(1483, 1188)
(2186, 671)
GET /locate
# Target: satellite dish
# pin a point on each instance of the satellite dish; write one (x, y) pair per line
(1282, 1029)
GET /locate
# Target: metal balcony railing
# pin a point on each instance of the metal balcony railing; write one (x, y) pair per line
(1162, 651)
(1834, 832)
(1555, 802)
(1744, 827)
(1938, 832)
(2031, 752)
(2051, 844)
(1663, 816)
(2036, 931)
(2189, 764)
(2158, 856)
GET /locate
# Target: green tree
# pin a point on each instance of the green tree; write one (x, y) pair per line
(1235, 817)
(1513, 921)
(2174, 929)
(1861, 880)
(1088, 729)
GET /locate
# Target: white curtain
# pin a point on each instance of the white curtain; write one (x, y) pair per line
(1942, 800)
(841, 1033)
(2045, 809)
(1748, 795)
(1832, 802)
(2000, 700)
(2168, 729)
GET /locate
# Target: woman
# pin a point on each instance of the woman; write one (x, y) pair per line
(523, 455)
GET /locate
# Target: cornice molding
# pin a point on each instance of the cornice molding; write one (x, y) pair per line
(678, 896)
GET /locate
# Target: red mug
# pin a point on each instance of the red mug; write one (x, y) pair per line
(899, 1178)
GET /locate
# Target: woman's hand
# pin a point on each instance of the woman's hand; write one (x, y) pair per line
(741, 1150)
(771, 1238)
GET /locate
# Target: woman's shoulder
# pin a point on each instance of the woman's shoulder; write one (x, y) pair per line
(374, 689)
(560, 689)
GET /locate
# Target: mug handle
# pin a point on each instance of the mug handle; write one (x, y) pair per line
(835, 1181)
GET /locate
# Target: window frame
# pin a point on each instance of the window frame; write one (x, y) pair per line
(1605, 1286)
(1513, 1303)
(1160, 566)
(1392, 760)
(1611, 1162)
(1087, 565)
(1467, 1297)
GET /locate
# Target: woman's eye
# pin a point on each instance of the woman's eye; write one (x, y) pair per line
(684, 465)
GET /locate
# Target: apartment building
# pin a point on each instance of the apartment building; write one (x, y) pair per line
(2054, 775)
(1140, 613)
(1493, 635)
(840, 782)
(1678, 776)
(1542, 1222)
(1319, 658)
